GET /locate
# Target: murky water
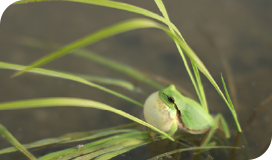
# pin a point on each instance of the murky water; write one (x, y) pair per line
(233, 38)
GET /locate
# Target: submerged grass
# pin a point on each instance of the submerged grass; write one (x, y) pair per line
(112, 146)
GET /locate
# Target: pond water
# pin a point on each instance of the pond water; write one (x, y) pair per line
(232, 38)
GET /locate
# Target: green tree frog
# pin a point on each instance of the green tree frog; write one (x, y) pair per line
(169, 110)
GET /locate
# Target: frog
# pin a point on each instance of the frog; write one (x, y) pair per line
(169, 111)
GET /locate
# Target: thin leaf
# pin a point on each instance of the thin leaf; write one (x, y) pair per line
(119, 151)
(117, 66)
(191, 149)
(163, 10)
(196, 86)
(90, 39)
(98, 147)
(231, 106)
(111, 148)
(116, 5)
(76, 102)
(109, 81)
(62, 75)
(68, 138)
(95, 57)
(201, 93)
(8, 136)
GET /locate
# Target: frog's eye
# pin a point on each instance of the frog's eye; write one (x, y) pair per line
(171, 99)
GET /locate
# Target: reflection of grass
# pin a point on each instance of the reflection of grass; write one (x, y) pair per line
(124, 140)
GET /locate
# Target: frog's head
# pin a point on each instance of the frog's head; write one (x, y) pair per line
(170, 96)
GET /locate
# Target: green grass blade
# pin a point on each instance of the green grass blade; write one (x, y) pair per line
(231, 106)
(201, 93)
(116, 5)
(108, 81)
(75, 102)
(100, 134)
(90, 39)
(68, 138)
(111, 147)
(62, 75)
(95, 57)
(191, 149)
(198, 86)
(163, 10)
(118, 67)
(98, 147)
(8, 136)
(70, 152)
(119, 151)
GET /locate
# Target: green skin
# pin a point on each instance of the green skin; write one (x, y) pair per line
(191, 116)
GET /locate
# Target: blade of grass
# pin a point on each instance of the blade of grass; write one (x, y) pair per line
(74, 102)
(111, 146)
(94, 148)
(117, 66)
(109, 81)
(119, 152)
(196, 86)
(231, 106)
(202, 96)
(90, 39)
(95, 57)
(116, 5)
(147, 78)
(8, 136)
(67, 138)
(191, 149)
(62, 75)
(163, 10)
(101, 134)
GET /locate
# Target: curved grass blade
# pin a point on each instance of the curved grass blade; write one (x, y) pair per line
(109, 81)
(99, 147)
(90, 39)
(117, 66)
(118, 152)
(68, 138)
(198, 87)
(8, 136)
(231, 106)
(95, 57)
(101, 134)
(112, 147)
(62, 75)
(116, 5)
(191, 149)
(73, 102)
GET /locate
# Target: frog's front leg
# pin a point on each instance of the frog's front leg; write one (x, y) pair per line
(173, 129)
(218, 122)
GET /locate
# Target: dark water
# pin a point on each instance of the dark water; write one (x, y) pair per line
(233, 38)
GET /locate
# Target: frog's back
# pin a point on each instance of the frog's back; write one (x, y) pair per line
(193, 117)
